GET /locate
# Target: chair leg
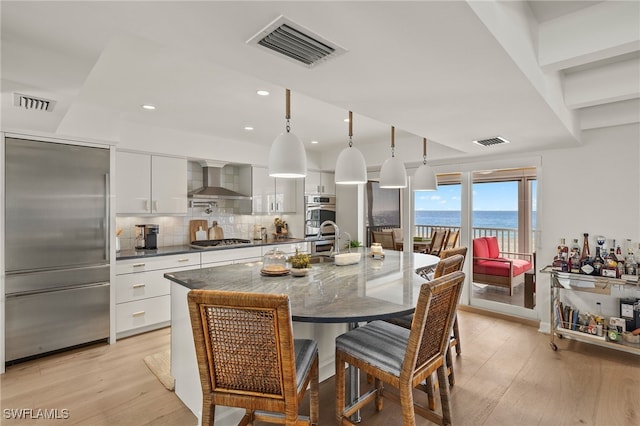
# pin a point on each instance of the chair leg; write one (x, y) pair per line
(208, 412)
(428, 388)
(452, 380)
(379, 399)
(406, 404)
(340, 385)
(314, 394)
(444, 395)
(456, 335)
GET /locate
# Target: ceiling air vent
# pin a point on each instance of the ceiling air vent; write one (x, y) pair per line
(31, 102)
(492, 141)
(295, 42)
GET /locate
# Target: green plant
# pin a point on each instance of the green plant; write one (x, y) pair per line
(299, 260)
(279, 222)
(355, 243)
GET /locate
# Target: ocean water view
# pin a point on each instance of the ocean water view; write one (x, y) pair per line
(481, 218)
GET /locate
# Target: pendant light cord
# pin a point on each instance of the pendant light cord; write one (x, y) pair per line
(424, 151)
(288, 109)
(350, 129)
(393, 141)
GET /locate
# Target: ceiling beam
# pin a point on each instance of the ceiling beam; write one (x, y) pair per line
(611, 83)
(591, 34)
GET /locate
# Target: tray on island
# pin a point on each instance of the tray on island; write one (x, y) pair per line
(278, 273)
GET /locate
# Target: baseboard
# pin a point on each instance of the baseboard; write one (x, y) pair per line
(488, 313)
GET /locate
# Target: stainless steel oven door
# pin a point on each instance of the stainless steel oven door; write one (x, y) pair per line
(315, 215)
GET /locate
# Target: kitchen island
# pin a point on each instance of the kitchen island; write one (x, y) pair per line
(322, 304)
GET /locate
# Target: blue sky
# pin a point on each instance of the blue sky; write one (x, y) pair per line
(486, 196)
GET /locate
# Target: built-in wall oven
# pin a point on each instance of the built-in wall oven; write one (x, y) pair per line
(319, 208)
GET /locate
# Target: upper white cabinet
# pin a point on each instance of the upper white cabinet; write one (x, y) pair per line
(150, 184)
(271, 195)
(320, 183)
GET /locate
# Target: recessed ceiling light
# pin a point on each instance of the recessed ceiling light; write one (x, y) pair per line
(262, 93)
(248, 128)
(346, 120)
(148, 106)
(314, 142)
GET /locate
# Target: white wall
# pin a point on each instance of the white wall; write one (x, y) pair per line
(594, 189)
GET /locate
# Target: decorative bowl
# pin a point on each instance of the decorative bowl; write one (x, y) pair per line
(347, 258)
(300, 272)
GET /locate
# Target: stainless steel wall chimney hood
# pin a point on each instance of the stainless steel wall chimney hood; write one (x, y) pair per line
(212, 188)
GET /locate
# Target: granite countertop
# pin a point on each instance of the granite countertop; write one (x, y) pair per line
(371, 289)
(181, 249)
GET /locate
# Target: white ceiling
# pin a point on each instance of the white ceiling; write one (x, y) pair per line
(536, 72)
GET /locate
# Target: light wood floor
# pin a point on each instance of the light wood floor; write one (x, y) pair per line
(506, 375)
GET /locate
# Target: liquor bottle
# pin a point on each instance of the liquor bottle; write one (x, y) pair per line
(586, 263)
(574, 257)
(610, 265)
(630, 265)
(585, 247)
(598, 263)
(563, 250)
(560, 263)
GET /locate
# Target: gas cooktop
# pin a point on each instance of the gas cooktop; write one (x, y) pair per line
(226, 242)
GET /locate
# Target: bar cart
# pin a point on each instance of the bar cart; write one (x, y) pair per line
(565, 281)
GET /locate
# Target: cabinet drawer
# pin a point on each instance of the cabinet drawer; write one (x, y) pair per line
(142, 313)
(154, 263)
(143, 285)
(231, 255)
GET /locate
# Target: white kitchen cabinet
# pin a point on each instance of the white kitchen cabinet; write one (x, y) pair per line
(272, 195)
(142, 292)
(320, 183)
(150, 184)
(212, 258)
(289, 248)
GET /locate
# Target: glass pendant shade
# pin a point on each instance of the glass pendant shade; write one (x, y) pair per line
(351, 169)
(287, 157)
(393, 174)
(425, 179)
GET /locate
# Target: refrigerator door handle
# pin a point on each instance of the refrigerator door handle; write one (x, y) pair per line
(107, 215)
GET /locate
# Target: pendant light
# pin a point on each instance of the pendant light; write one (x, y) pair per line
(351, 169)
(287, 157)
(425, 179)
(393, 174)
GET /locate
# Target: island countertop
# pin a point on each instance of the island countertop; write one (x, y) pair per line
(368, 290)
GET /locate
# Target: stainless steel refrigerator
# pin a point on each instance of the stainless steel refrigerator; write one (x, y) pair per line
(56, 246)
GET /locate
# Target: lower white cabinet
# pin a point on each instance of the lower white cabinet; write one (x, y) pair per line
(227, 257)
(142, 293)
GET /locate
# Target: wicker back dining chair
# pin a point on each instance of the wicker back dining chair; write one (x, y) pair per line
(455, 337)
(247, 357)
(403, 358)
(450, 261)
(437, 242)
(385, 238)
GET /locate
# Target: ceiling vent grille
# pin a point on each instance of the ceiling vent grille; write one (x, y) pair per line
(295, 42)
(491, 141)
(32, 102)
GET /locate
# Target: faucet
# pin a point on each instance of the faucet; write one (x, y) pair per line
(336, 244)
(348, 241)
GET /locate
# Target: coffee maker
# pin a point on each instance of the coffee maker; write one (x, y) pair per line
(147, 236)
